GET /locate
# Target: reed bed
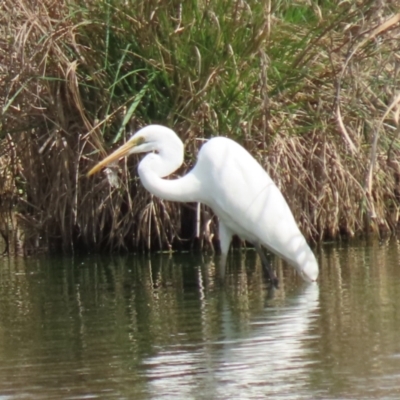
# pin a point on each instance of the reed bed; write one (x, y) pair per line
(311, 90)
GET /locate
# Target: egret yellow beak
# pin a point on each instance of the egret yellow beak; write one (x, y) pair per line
(122, 151)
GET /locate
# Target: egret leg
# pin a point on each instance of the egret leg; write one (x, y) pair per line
(225, 238)
(266, 265)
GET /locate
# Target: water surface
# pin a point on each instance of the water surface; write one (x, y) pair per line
(161, 327)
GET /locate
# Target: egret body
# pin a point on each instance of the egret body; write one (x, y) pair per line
(232, 183)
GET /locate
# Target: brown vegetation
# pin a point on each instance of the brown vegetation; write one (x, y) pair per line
(312, 91)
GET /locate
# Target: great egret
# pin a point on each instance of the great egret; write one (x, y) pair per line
(232, 183)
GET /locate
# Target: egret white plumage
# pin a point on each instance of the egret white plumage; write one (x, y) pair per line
(232, 183)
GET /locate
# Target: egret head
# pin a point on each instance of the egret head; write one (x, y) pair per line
(150, 138)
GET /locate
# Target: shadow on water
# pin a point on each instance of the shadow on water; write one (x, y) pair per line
(163, 327)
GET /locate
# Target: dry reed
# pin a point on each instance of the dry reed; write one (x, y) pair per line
(310, 90)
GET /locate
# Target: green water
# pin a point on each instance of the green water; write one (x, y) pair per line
(162, 327)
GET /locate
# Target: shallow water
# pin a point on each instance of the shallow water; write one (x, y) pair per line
(162, 327)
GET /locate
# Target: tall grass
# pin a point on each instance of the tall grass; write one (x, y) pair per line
(310, 89)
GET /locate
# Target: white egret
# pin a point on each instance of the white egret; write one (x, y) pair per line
(232, 183)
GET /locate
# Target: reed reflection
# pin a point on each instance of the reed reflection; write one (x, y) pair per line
(359, 320)
(152, 327)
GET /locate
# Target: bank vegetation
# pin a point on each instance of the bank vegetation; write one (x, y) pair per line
(311, 89)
